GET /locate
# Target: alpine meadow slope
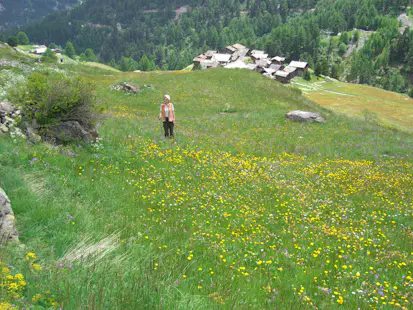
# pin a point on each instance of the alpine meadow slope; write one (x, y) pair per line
(244, 209)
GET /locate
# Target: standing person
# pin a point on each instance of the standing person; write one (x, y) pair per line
(167, 115)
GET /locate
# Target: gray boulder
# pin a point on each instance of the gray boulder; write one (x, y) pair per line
(3, 128)
(8, 232)
(32, 135)
(6, 107)
(72, 130)
(303, 116)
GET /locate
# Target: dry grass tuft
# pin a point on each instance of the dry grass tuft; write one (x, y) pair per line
(90, 251)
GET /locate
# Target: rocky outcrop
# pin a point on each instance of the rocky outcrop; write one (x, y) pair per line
(72, 130)
(8, 232)
(303, 116)
(6, 107)
(9, 118)
(11, 123)
(128, 88)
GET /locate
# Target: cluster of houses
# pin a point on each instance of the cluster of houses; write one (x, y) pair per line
(238, 56)
(40, 50)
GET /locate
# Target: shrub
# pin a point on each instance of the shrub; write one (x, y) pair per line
(307, 75)
(70, 50)
(23, 38)
(342, 49)
(356, 36)
(411, 93)
(13, 41)
(54, 99)
(90, 54)
(83, 57)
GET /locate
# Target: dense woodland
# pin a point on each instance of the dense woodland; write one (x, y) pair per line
(15, 13)
(146, 35)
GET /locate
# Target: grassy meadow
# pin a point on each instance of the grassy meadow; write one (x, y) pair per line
(243, 210)
(389, 109)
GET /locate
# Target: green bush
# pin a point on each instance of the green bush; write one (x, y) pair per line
(54, 99)
(69, 50)
(13, 41)
(307, 75)
(23, 38)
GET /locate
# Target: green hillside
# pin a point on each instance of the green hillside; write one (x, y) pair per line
(368, 103)
(243, 210)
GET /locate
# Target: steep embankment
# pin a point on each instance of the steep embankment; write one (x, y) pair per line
(243, 210)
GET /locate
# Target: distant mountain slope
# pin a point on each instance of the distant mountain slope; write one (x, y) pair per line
(14, 13)
(167, 35)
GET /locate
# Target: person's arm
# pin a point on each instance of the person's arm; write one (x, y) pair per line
(160, 112)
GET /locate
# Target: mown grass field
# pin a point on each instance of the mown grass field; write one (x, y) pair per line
(369, 103)
(243, 210)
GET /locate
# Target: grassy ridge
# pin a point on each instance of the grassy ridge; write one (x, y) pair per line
(245, 210)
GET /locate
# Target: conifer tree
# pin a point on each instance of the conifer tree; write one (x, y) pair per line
(70, 50)
(23, 38)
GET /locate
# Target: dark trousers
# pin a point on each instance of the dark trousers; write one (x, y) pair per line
(168, 127)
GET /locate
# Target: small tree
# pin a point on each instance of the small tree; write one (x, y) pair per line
(335, 71)
(83, 57)
(344, 38)
(356, 36)
(90, 55)
(342, 49)
(70, 50)
(128, 64)
(322, 67)
(23, 38)
(112, 63)
(307, 75)
(144, 63)
(13, 41)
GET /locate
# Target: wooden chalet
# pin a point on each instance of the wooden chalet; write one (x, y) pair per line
(283, 77)
(239, 46)
(209, 54)
(197, 61)
(239, 64)
(229, 50)
(291, 70)
(276, 67)
(222, 59)
(278, 60)
(301, 66)
(259, 56)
